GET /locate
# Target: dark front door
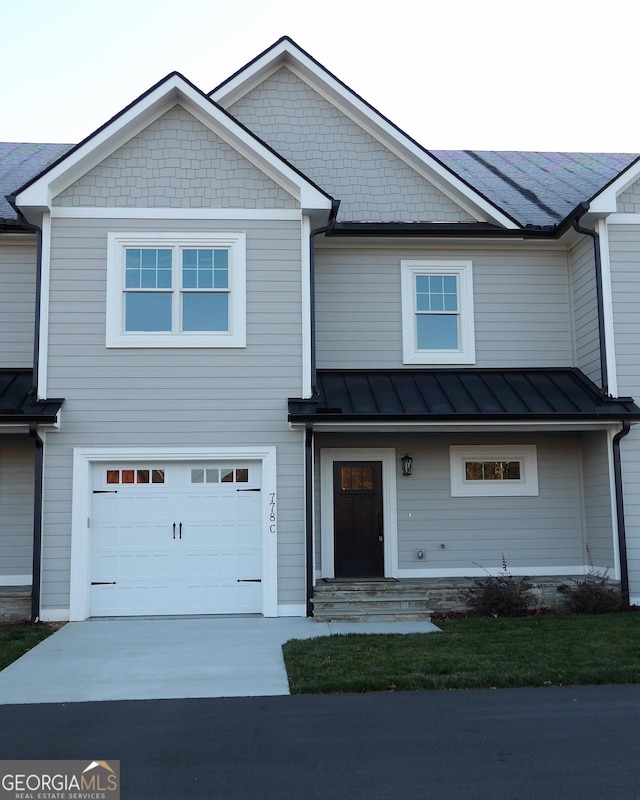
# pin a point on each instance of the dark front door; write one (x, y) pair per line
(357, 519)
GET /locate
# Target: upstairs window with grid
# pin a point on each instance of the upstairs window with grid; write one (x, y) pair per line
(182, 294)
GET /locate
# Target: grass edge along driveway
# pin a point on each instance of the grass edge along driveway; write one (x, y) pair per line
(546, 650)
(16, 640)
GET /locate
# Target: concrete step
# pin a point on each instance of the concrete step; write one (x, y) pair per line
(371, 601)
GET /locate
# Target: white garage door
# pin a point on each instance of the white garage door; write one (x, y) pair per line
(176, 539)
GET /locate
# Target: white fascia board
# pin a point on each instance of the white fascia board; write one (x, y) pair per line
(459, 427)
(150, 107)
(286, 54)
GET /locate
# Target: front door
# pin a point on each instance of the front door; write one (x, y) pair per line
(357, 522)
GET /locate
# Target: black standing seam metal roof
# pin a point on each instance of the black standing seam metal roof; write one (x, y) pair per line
(459, 394)
(17, 403)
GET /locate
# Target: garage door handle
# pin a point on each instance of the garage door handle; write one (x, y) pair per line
(174, 530)
(103, 583)
(249, 580)
(181, 530)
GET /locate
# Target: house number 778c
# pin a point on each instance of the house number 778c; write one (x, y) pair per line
(272, 512)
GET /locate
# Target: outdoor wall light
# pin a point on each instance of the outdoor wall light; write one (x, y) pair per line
(407, 465)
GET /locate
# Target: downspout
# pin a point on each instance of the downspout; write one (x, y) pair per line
(308, 493)
(36, 568)
(308, 436)
(36, 558)
(622, 535)
(604, 370)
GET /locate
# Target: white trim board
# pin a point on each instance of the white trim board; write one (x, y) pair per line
(113, 212)
(387, 456)
(475, 572)
(15, 580)
(85, 457)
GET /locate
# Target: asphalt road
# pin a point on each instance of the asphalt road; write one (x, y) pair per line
(513, 744)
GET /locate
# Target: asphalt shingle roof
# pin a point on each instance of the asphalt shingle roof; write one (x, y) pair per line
(19, 162)
(536, 188)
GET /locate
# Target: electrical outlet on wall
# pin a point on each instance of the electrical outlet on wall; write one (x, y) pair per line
(419, 555)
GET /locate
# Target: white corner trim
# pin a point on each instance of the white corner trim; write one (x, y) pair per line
(615, 544)
(224, 214)
(607, 306)
(387, 455)
(45, 284)
(305, 246)
(54, 615)
(292, 610)
(15, 580)
(85, 457)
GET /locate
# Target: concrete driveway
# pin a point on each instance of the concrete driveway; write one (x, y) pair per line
(153, 659)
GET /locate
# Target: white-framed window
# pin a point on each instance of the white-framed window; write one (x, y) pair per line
(176, 290)
(437, 312)
(500, 471)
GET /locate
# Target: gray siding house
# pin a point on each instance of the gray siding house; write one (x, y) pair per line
(260, 342)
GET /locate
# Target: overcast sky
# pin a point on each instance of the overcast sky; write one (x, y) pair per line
(455, 74)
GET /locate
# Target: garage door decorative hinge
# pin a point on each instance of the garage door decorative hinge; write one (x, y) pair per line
(105, 491)
(103, 583)
(247, 490)
(249, 580)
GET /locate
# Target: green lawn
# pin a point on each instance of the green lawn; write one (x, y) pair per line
(472, 654)
(15, 640)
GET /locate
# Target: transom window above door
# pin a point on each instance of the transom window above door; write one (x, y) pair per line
(176, 290)
(437, 312)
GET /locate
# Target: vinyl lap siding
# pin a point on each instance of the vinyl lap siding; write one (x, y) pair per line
(370, 181)
(16, 504)
(543, 532)
(17, 301)
(585, 309)
(521, 306)
(597, 500)
(174, 397)
(624, 248)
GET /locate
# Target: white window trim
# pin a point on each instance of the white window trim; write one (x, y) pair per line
(526, 454)
(116, 245)
(463, 270)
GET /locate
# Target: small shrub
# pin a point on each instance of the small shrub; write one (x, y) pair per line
(593, 594)
(500, 595)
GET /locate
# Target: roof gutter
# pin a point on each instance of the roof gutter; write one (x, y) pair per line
(604, 369)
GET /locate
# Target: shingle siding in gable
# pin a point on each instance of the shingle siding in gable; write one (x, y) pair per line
(629, 201)
(176, 162)
(370, 181)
